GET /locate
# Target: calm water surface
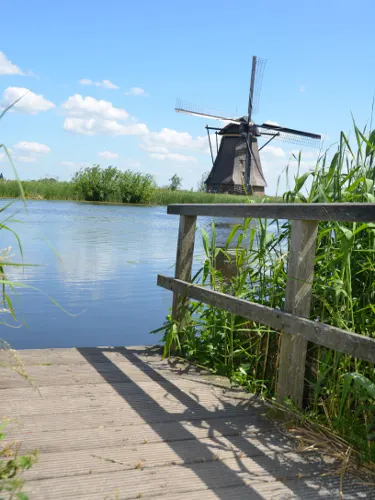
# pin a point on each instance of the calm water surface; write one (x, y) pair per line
(105, 273)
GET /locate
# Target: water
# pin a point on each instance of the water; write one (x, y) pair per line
(110, 258)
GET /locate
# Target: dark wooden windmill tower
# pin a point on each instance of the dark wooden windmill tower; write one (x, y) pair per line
(237, 167)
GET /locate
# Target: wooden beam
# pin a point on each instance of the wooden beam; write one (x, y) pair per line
(350, 212)
(359, 346)
(293, 348)
(184, 260)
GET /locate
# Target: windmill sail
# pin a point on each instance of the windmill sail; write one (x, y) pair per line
(237, 167)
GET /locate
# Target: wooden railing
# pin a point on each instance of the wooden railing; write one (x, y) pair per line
(296, 330)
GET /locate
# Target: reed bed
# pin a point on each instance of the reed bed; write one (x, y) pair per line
(340, 390)
(112, 186)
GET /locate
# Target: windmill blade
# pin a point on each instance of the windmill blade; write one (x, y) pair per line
(192, 109)
(255, 85)
(291, 135)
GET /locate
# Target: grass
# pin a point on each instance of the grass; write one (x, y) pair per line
(38, 190)
(340, 390)
(60, 190)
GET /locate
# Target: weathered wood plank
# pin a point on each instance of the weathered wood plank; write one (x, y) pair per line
(106, 435)
(293, 348)
(176, 479)
(184, 260)
(176, 439)
(160, 454)
(350, 212)
(359, 346)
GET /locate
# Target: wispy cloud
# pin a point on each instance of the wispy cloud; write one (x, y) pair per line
(103, 83)
(136, 91)
(7, 67)
(108, 155)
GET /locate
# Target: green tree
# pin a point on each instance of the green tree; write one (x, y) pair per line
(201, 187)
(175, 182)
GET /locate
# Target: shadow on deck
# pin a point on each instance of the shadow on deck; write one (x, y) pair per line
(160, 430)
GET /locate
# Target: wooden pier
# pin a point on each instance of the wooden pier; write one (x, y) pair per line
(121, 423)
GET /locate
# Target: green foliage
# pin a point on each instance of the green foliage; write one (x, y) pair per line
(97, 184)
(12, 464)
(136, 187)
(111, 184)
(175, 182)
(142, 185)
(340, 391)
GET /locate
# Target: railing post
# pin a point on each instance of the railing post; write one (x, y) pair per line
(292, 361)
(184, 259)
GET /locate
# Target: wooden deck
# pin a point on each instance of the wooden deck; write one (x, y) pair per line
(116, 423)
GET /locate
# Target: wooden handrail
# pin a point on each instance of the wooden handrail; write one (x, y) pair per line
(296, 330)
(349, 212)
(359, 346)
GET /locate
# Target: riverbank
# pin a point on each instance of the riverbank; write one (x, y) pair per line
(65, 191)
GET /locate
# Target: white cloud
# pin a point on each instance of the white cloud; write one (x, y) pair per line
(31, 147)
(79, 106)
(24, 159)
(173, 139)
(173, 157)
(94, 126)
(156, 149)
(30, 103)
(7, 67)
(104, 83)
(136, 91)
(27, 152)
(274, 151)
(108, 155)
(302, 89)
(90, 116)
(162, 153)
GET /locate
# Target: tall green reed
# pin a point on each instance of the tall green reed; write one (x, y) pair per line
(340, 390)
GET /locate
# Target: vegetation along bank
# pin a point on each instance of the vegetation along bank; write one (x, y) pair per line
(112, 185)
(340, 390)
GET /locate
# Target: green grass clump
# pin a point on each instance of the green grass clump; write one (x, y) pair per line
(340, 390)
(38, 190)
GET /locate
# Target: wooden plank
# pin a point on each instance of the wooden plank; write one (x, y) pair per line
(155, 481)
(92, 440)
(350, 212)
(46, 440)
(184, 260)
(179, 452)
(359, 346)
(293, 348)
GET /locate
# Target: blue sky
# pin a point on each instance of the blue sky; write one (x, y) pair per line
(319, 70)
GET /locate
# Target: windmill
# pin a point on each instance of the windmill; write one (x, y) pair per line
(237, 167)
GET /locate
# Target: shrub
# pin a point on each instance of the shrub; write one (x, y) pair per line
(136, 187)
(96, 184)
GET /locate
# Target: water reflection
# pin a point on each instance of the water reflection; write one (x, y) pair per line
(110, 257)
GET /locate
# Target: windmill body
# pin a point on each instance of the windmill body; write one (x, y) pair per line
(228, 171)
(237, 167)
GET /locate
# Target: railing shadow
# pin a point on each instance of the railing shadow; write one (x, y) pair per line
(279, 466)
